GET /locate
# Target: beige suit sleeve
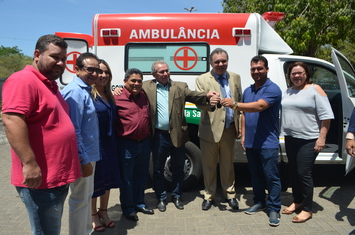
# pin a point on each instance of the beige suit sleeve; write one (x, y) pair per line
(200, 86)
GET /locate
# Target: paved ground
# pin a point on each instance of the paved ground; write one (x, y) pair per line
(334, 209)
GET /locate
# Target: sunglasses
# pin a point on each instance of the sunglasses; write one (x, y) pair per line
(92, 70)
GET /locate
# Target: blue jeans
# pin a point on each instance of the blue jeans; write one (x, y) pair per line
(134, 162)
(44, 208)
(264, 170)
(162, 147)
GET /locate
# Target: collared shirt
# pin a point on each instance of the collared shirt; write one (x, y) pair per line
(262, 128)
(162, 116)
(52, 85)
(133, 115)
(226, 93)
(83, 115)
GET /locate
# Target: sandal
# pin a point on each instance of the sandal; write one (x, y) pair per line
(288, 211)
(297, 219)
(98, 228)
(109, 223)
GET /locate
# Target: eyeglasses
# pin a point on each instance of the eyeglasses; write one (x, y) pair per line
(92, 70)
(163, 71)
(297, 73)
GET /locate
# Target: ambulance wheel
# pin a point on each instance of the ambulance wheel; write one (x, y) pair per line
(192, 168)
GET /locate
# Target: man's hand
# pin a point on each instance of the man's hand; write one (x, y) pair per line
(117, 91)
(214, 100)
(350, 147)
(87, 170)
(227, 102)
(32, 175)
(214, 97)
(242, 143)
(211, 94)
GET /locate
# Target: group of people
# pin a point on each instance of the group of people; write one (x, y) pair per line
(89, 140)
(305, 114)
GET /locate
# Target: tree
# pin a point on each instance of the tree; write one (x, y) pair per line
(310, 26)
(12, 60)
(347, 49)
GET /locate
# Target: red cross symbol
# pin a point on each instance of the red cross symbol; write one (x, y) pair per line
(71, 60)
(185, 58)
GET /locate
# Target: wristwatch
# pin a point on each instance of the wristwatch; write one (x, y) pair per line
(235, 105)
(349, 136)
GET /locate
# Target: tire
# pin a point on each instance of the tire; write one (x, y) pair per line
(192, 168)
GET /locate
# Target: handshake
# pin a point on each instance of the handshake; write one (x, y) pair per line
(215, 100)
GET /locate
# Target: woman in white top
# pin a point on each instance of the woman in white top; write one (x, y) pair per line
(305, 120)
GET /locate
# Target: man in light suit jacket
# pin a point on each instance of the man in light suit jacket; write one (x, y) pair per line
(218, 130)
(167, 102)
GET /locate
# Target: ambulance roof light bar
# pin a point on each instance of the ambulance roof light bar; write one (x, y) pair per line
(272, 17)
(110, 32)
(241, 32)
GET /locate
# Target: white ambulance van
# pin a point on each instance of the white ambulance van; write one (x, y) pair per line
(185, 40)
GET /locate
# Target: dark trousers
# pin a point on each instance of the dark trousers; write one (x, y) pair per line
(301, 157)
(264, 171)
(134, 162)
(162, 148)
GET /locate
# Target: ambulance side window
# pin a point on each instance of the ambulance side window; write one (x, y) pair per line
(182, 58)
(327, 79)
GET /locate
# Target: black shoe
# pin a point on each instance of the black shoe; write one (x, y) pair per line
(178, 203)
(161, 206)
(145, 210)
(206, 205)
(133, 216)
(233, 203)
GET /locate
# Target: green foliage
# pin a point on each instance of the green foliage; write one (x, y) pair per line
(9, 51)
(310, 26)
(12, 60)
(346, 48)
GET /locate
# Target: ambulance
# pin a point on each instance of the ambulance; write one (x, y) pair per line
(185, 40)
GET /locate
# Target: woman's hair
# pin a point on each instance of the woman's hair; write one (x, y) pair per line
(306, 69)
(107, 88)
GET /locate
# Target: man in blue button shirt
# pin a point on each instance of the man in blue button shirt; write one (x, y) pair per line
(83, 115)
(167, 103)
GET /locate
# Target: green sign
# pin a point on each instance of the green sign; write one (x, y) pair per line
(192, 115)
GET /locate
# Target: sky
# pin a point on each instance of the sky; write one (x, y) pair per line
(22, 22)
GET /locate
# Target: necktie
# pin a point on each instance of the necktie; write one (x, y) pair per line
(222, 83)
(226, 94)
